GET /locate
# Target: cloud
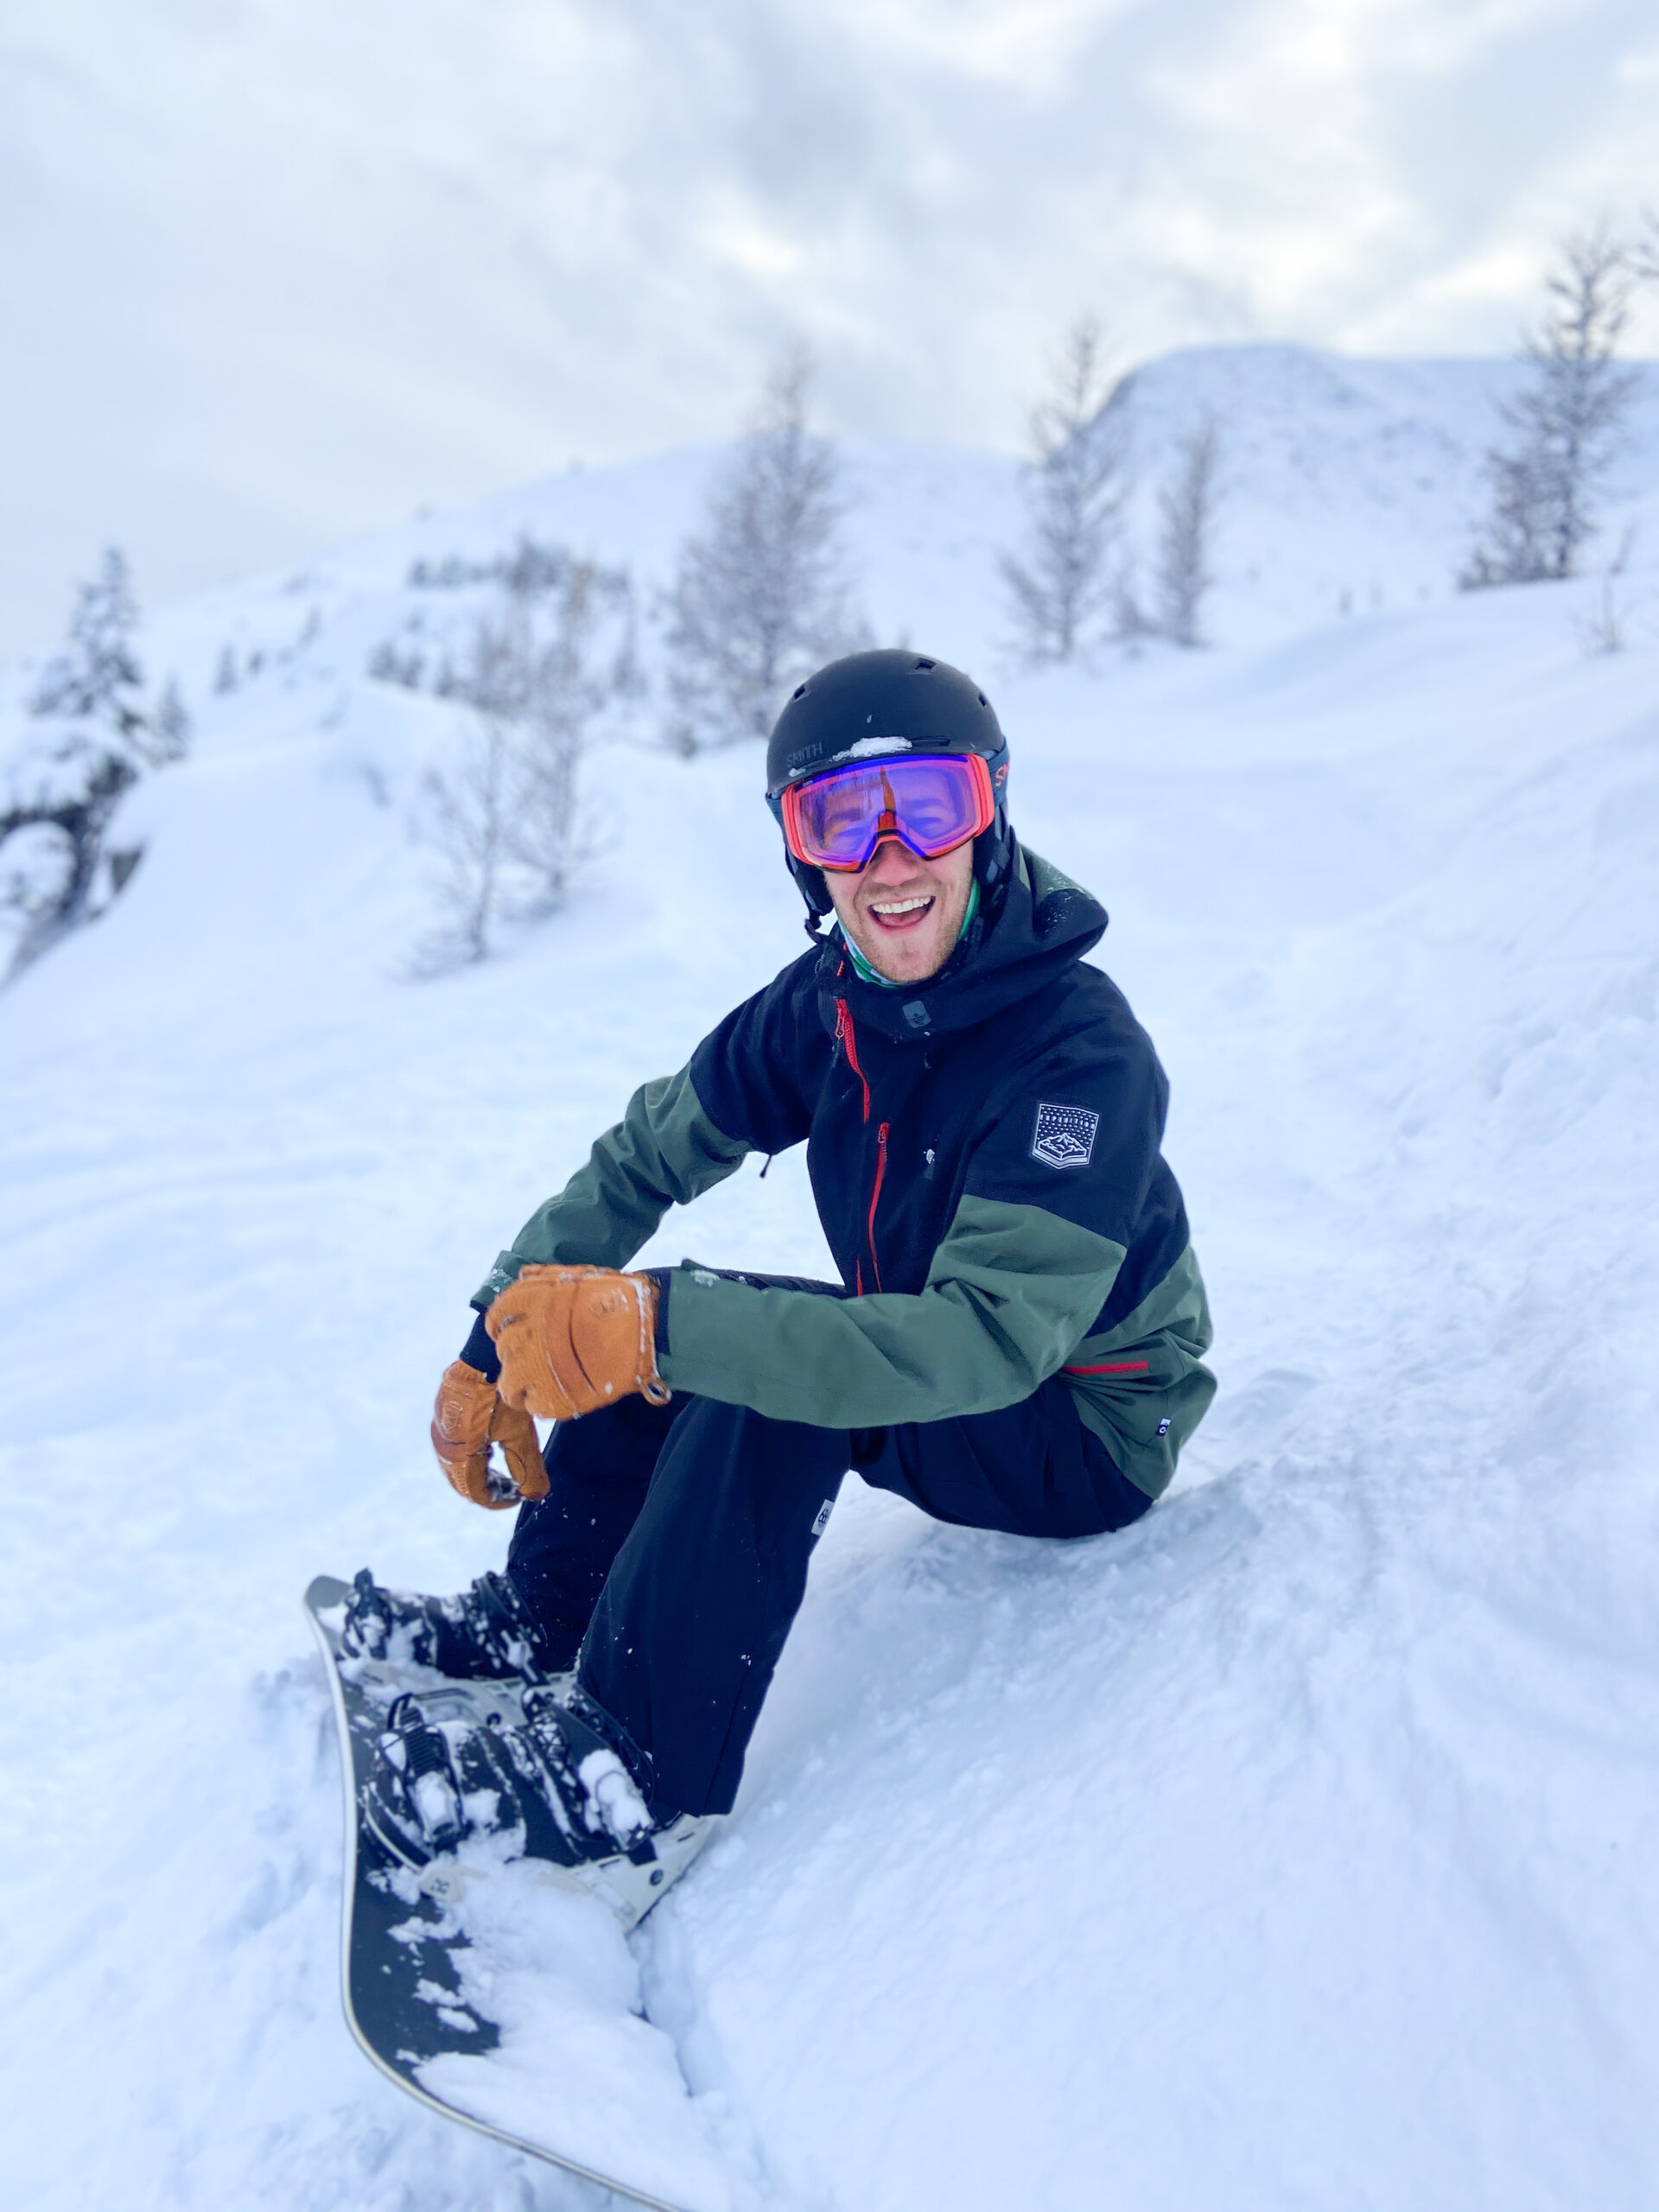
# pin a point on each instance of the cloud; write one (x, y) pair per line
(279, 269)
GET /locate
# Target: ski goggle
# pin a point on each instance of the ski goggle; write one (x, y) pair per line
(932, 802)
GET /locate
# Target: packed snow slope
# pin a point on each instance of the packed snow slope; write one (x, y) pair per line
(1298, 1848)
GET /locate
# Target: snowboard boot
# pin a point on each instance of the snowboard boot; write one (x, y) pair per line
(482, 1634)
(546, 1775)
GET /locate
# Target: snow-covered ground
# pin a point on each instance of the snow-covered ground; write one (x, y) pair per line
(1299, 1848)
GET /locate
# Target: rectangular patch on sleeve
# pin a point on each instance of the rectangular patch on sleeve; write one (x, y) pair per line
(1065, 1136)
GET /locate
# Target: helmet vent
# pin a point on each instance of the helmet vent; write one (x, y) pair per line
(929, 665)
(799, 692)
(983, 700)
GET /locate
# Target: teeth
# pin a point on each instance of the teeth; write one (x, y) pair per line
(898, 905)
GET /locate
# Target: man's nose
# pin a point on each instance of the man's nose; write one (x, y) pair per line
(892, 856)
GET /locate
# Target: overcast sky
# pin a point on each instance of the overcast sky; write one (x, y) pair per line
(279, 270)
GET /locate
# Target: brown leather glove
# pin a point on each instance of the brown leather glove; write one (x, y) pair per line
(468, 1417)
(572, 1339)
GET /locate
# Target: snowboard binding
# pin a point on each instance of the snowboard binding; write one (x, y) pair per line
(485, 1633)
(452, 1769)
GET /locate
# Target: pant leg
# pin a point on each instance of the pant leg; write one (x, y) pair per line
(710, 1569)
(598, 1470)
(1031, 1468)
(707, 1582)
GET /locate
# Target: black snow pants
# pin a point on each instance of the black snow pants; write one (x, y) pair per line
(671, 1548)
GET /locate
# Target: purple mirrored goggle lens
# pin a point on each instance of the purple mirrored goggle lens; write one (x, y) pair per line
(932, 802)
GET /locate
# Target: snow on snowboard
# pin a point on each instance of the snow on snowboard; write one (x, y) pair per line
(425, 1993)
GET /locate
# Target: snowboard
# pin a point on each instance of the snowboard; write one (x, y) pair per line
(402, 1952)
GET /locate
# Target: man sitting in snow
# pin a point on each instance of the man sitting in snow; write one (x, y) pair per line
(1016, 1342)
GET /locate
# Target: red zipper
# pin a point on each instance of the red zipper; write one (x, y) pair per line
(875, 1197)
(849, 1045)
(1113, 1367)
(844, 1032)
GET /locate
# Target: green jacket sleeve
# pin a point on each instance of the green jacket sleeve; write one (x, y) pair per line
(1011, 1290)
(665, 1151)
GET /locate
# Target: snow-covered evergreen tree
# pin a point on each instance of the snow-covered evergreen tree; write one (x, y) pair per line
(1070, 575)
(96, 678)
(169, 726)
(762, 597)
(1568, 425)
(91, 736)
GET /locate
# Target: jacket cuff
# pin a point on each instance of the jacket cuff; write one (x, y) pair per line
(479, 1351)
(661, 1277)
(504, 1271)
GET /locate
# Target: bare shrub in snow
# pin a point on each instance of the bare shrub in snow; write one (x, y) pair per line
(1186, 518)
(531, 565)
(761, 595)
(586, 662)
(387, 663)
(1069, 587)
(89, 738)
(1568, 424)
(506, 815)
(1604, 631)
(468, 806)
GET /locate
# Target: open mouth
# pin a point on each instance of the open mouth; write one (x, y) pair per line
(894, 916)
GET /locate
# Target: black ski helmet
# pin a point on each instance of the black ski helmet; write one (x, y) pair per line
(924, 706)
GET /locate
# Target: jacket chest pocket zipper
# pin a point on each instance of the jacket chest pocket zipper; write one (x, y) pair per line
(849, 1045)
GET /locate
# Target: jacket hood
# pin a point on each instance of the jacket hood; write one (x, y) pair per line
(1044, 926)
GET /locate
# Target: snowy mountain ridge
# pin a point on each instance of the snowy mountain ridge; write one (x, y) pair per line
(1296, 1848)
(1349, 486)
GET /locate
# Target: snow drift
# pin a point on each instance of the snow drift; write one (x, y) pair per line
(1296, 1848)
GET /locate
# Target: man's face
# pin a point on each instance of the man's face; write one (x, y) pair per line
(905, 914)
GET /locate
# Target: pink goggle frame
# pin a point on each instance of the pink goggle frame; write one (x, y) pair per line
(931, 802)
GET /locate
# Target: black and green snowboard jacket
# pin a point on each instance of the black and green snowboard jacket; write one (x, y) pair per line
(984, 1153)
